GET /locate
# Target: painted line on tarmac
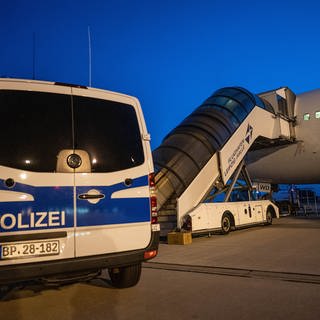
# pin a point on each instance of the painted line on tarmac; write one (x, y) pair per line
(236, 272)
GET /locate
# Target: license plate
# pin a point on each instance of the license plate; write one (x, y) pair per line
(31, 249)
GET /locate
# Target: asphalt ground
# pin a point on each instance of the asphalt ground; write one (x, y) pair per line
(291, 244)
(268, 272)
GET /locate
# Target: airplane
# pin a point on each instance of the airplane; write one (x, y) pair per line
(299, 162)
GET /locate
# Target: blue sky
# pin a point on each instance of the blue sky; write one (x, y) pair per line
(170, 54)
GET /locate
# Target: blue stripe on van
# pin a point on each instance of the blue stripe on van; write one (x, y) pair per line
(21, 215)
(113, 211)
(54, 205)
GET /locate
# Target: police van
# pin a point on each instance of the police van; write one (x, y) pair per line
(76, 184)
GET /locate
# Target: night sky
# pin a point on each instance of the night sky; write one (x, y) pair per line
(170, 54)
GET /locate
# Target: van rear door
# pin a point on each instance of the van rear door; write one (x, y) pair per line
(36, 202)
(112, 198)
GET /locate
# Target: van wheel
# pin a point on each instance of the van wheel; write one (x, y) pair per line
(268, 218)
(225, 224)
(125, 277)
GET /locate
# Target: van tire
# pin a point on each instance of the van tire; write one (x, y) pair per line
(226, 224)
(125, 277)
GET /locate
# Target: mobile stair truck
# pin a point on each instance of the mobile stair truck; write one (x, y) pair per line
(204, 157)
(77, 186)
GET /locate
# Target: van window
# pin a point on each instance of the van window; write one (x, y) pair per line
(109, 132)
(36, 126)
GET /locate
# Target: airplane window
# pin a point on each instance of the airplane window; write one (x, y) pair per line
(317, 114)
(306, 116)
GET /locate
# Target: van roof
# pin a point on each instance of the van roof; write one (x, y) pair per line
(63, 84)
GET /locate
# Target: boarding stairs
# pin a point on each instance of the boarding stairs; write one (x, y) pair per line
(202, 155)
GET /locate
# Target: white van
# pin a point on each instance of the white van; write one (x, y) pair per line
(76, 184)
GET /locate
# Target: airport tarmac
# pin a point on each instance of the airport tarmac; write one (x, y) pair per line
(270, 272)
(291, 244)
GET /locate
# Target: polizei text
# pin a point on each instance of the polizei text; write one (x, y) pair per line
(31, 220)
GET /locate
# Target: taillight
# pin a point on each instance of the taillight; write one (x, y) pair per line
(153, 199)
(150, 254)
(152, 183)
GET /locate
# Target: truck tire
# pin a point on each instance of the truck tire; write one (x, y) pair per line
(125, 277)
(3, 291)
(225, 224)
(268, 218)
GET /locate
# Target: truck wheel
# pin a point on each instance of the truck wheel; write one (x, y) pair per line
(4, 290)
(225, 224)
(268, 217)
(125, 277)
